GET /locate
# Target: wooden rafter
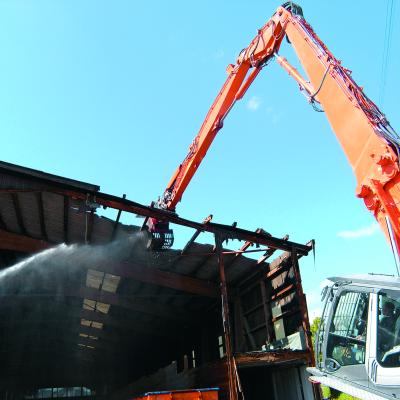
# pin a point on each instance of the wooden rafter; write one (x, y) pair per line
(115, 227)
(225, 231)
(18, 213)
(269, 252)
(42, 221)
(161, 278)
(21, 243)
(270, 357)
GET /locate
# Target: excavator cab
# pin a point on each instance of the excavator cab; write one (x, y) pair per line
(160, 236)
(358, 340)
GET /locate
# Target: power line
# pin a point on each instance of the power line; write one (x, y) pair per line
(386, 47)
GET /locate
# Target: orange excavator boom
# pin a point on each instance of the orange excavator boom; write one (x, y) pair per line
(368, 140)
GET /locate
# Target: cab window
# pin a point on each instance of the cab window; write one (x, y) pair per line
(348, 329)
(388, 332)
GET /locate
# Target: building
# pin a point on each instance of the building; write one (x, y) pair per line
(92, 313)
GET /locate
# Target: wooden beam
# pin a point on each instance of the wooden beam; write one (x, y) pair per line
(303, 306)
(277, 271)
(21, 243)
(161, 278)
(195, 235)
(239, 254)
(115, 227)
(245, 246)
(225, 231)
(279, 265)
(190, 242)
(269, 252)
(271, 357)
(281, 293)
(286, 314)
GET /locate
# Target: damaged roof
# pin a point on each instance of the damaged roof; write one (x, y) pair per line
(90, 303)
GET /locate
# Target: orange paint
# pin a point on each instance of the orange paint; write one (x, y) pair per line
(360, 127)
(195, 394)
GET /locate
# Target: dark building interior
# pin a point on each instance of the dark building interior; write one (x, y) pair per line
(87, 311)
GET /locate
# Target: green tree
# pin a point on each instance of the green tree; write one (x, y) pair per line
(313, 328)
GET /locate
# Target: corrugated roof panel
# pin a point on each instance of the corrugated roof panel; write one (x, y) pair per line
(24, 172)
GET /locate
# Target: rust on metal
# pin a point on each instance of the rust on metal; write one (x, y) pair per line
(233, 393)
(303, 306)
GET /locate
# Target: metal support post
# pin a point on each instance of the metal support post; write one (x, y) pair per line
(233, 393)
(303, 306)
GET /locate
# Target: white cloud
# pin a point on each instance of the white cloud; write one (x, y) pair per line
(254, 103)
(366, 231)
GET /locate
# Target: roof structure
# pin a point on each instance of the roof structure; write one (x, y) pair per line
(82, 302)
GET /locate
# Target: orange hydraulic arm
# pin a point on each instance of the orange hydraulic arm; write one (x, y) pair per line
(370, 144)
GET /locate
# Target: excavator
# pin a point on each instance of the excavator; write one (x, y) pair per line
(358, 342)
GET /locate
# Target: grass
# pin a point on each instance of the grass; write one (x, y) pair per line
(332, 394)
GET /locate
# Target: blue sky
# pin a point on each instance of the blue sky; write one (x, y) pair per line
(113, 93)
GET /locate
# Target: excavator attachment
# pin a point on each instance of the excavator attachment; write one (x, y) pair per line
(160, 236)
